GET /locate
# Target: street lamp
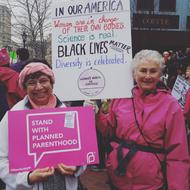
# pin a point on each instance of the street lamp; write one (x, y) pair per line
(24, 37)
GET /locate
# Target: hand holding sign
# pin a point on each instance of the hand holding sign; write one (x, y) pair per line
(91, 103)
(39, 175)
(104, 105)
(66, 170)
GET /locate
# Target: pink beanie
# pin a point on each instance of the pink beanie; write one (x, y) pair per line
(33, 68)
(4, 57)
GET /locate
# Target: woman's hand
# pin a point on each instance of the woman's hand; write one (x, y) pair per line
(39, 175)
(91, 103)
(105, 104)
(66, 170)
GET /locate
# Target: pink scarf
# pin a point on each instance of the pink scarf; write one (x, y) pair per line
(51, 103)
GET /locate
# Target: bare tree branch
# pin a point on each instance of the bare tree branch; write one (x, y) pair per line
(32, 18)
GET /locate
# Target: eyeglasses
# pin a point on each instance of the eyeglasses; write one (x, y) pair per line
(34, 82)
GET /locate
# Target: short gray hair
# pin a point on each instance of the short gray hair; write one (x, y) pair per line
(147, 55)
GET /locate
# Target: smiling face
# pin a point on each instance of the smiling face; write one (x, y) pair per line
(39, 89)
(147, 75)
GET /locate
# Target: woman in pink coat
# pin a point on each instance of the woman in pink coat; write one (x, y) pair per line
(147, 137)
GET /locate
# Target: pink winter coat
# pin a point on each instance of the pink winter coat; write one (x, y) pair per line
(162, 122)
(10, 78)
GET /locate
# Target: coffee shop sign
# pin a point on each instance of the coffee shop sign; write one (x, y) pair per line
(156, 21)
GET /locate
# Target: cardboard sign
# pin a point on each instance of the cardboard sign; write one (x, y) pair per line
(46, 137)
(180, 89)
(91, 49)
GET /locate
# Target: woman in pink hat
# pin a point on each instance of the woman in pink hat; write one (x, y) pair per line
(37, 80)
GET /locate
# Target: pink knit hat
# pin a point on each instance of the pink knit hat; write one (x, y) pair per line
(4, 57)
(33, 68)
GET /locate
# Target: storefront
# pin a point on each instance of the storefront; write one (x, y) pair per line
(160, 32)
(159, 40)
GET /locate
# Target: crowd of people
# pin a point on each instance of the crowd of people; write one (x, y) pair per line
(176, 63)
(9, 89)
(145, 136)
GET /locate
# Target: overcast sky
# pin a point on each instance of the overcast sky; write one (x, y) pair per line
(16, 11)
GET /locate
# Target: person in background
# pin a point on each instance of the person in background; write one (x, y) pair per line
(184, 61)
(166, 56)
(147, 137)
(22, 57)
(37, 80)
(172, 67)
(186, 110)
(187, 101)
(9, 78)
(164, 76)
(187, 72)
(10, 93)
(4, 107)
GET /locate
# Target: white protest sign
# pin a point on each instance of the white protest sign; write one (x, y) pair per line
(91, 49)
(180, 89)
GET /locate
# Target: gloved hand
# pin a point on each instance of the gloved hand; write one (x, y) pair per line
(91, 103)
(105, 105)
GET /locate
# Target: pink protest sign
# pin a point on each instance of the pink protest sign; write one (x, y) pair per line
(46, 137)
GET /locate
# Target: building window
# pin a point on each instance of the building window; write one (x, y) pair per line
(145, 5)
(188, 23)
(168, 5)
